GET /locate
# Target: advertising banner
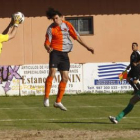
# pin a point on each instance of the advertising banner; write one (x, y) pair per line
(9, 80)
(34, 77)
(91, 77)
(104, 77)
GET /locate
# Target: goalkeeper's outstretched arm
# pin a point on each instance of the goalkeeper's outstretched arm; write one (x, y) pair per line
(11, 29)
(13, 32)
(8, 28)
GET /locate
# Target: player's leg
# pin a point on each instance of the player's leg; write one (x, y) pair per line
(62, 85)
(61, 90)
(48, 85)
(53, 63)
(63, 67)
(133, 73)
(127, 110)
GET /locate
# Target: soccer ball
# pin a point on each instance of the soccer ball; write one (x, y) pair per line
(20, 16)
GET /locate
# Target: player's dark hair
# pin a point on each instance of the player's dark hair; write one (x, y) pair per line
(50, 13)
(134, 43)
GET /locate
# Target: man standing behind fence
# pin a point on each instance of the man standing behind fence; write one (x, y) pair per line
(58, 45)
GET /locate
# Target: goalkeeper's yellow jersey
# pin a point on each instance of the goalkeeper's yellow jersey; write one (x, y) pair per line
(3, 38)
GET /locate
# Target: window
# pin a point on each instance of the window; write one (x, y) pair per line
(84, 25)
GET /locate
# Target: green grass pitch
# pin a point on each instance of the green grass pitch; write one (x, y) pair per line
(85, 112)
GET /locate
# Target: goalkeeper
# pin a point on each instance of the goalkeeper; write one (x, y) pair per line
(10, 31)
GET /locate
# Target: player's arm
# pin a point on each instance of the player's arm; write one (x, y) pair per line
(48, 41)
(6, 37)
(48, 48)
(13, 32)
(9, 27)
(136, 63)
(79, 39)
(139, 58)
(128, 67)
(74, 34)
(13, 29)
(7, 30)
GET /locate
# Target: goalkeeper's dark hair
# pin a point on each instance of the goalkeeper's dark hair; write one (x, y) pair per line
(134, 43)
(50, 13)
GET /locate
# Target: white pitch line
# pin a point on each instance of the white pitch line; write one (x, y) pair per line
(63, 119)
(67, 107)
(9, 120)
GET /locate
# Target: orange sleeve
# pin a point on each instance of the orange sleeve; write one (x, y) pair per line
(73, 33)
(48, 37)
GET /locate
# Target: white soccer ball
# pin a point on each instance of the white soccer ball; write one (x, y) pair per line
(19, 14)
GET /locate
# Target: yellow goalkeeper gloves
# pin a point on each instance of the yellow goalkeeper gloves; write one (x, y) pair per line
(17, 20)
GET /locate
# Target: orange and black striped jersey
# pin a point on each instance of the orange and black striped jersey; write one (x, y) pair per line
(58, 37)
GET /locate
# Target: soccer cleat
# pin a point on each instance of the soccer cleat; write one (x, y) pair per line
(46, 103)
(60, 105)
(113, 119)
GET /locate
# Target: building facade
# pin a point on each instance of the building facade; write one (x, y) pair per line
(109, 26)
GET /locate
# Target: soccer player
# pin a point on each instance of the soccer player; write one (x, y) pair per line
(127, 110)
(133, 74)
(10, 32)
(58, 45)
